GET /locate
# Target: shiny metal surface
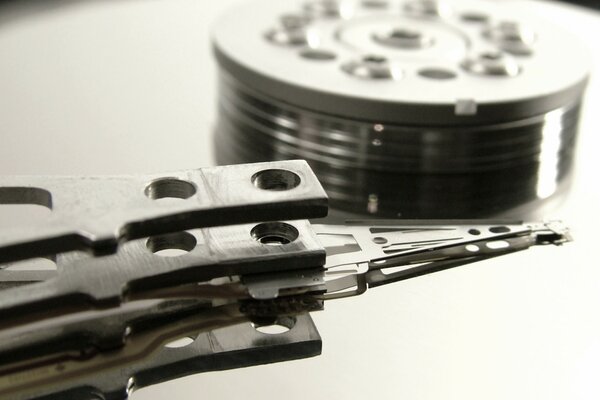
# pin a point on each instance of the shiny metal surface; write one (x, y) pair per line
(232, 347)
(496, 331)
(104, 316)
(97, 213)
(501, 169)
(401, 113)
(421, 40)
(104, 321)
(386, 253)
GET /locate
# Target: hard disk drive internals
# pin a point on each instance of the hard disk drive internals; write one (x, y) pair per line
(412, 109)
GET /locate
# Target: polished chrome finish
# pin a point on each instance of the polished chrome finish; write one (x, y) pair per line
(493, 64)
(512, 37)
(288, 37)
(152, 360)
(402, 38)
(97, 213)
(105, 322)
(372, 67)
(360, 255)
(391, 170)
(135, 269)
(102, 316)
(441, 42)
(411, 109)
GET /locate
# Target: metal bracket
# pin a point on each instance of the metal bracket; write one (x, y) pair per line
(222, 349)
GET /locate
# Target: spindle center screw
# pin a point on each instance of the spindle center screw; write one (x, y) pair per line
(404, 38)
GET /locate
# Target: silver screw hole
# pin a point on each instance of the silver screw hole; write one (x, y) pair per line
(474, 16)
(280, 326)
(375, 4)
(500, 229)
(172, 188)
(437, 73)
(274, 233)
(379, 240)
(276, 180)
(171, 244)
(318, 54)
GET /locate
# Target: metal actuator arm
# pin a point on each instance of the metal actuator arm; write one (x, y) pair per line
(100, 322)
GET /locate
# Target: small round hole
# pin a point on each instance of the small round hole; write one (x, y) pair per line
(274, 240)
(279, 326)
(171, 244)
(492, 63)
(472, 248)
(375, 59)
(170, 188)
(275, 180)
(491, 56)
(372, 67)
(474, 16)
(404, 38)
(274, 233)
(179, 343)
(498, 244)
(274, 329)
(437, 73)
(318, 54)
(401, 33)
(500, 229)
(474, 232)
(287, 37)
(379, 240)
(375, 4)
(294, 21)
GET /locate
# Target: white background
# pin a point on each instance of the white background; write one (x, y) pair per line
(129, 86)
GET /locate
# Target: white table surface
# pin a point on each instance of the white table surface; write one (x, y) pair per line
(129, 86)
